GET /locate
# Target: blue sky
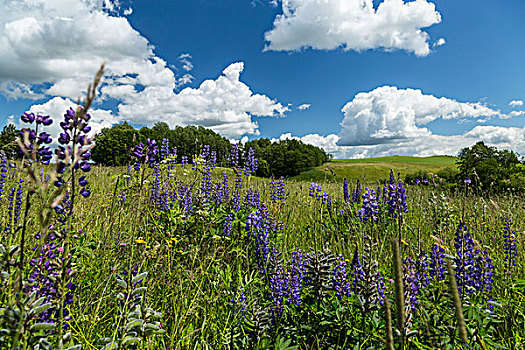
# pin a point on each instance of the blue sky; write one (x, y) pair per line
(389, 77)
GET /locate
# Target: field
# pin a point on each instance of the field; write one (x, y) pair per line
(371, 170)
(178, 256)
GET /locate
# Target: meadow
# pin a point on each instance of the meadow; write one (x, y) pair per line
(371, 170)
(170, 255)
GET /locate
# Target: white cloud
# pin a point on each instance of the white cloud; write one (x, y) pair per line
(53, 48)
(353, 25)
(516, 103)
(304, 106)
(439, 42)
(185, 59)
(225, 105)
(428, 145)
(387, 114)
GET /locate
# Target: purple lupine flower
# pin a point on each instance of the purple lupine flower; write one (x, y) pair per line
(346, 195)
(465, 260)
(3, 172)
(483, 276)
(227, 229)
(205, 153)
(186, 199)
(380, 287)
(297, 275)
(438, 265)
(239, 304)
(509, 247)
(251, 165)
(397, 204)
(281, 192)
(236, 200)
(279, 287)
(44, 153)
(206, 185)
(184, 161)
(218, 194)
(358, 274)
(327, 200)
(339, 278)
(164, 149)
(234, 157)
(76, 144)
(173, 159)
(315, 191)
(253, 198)
(356, 195)
(213, 159)
(273, 191)
(370, 208)
(259, 226)
(44, 282)
(392, 177)
(122, 197)
(412, 282)
(467, 181)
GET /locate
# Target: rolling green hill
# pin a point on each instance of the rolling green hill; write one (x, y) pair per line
(370, 170)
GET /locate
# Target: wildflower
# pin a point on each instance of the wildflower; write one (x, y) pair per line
(346, 196)
(140, 241)
(234, 158)
(370, 207)
(339, 279)
(356, 195)
(397, 204)
(228, 225)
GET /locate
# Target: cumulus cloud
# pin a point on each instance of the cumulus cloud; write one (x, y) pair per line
(304, 106)
(516, 103)
(353, 25)
(502, 137)
(225, 105)
(52, 49)
(387, 114)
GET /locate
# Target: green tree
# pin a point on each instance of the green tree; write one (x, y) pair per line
(491, 169)
(113, 145)
(8, 141)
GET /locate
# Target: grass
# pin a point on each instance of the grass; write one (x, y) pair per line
(372, 170)
(196, 272)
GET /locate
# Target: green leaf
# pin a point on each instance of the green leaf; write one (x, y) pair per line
(133, 324)
(42, 326)
(122, 283)
(37, 310)
(131, 341)
(139, 277)
(111, 346)
(139, 290)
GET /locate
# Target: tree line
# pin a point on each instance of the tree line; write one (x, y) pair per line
(282, 158)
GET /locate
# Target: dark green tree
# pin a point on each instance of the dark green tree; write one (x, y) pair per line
(8, 141)
(113, 145)
(491, 169)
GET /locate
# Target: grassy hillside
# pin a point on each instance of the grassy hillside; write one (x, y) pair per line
(370, 170)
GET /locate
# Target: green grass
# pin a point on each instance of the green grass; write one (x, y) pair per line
(371, 170)
(195, 270)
